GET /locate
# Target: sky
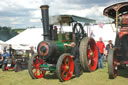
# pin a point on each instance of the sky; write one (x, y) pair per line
(26, 13)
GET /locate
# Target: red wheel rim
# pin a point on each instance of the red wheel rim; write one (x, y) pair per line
(115, 67)
(92, 55)
(43, 44)
(36, 67)
(67, 68)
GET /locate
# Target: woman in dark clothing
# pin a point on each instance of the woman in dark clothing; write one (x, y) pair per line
(75, 53)
(11, 50)
(108, 46)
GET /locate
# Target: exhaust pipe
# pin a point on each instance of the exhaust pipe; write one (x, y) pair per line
(45, 21)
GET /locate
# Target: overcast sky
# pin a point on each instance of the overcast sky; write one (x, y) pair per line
(26, 13)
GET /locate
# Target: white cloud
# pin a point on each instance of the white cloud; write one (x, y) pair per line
(22, 3)
(36, 13)
(35, 20)
(27, 12)
(16, 22)
(93, 12)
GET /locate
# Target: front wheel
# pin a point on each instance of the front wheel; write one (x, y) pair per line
(64, 67)
(112, 64)
(34, 67)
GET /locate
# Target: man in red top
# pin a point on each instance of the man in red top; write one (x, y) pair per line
(101, 46)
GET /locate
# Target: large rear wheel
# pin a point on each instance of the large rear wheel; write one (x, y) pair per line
(34, 67)
(65, 67)
(88, 54)
(112, 64)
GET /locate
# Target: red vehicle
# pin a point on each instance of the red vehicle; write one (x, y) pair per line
(118, 56)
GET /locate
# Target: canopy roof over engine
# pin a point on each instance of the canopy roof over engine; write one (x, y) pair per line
(67, 19)
(122, 8)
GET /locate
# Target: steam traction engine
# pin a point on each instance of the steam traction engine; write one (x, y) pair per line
(54, 56)
(118, 56)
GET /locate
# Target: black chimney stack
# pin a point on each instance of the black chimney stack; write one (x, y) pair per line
(45, 21)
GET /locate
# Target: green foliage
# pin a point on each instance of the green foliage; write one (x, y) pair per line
(19, 30)
(7, 33)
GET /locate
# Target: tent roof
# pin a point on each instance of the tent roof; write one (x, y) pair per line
(28, 37)
(31, 37)
(120, 7)
(2, 41)
(67, 19)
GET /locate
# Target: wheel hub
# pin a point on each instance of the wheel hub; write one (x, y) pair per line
(116, 68)
(38, 66)
(91, 53)
(67, 67)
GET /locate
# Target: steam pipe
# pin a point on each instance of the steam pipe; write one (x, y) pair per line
(45, 21)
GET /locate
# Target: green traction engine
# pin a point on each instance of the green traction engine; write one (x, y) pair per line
(52, 55)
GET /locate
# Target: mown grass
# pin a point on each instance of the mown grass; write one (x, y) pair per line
(99, 77)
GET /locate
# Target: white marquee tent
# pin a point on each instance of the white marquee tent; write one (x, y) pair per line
(107, 32)
(31, 37)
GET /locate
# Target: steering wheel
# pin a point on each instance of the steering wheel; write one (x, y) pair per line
(78, 30)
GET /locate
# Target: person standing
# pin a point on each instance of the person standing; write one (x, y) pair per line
(101, 46)
(5, 55)
(1, 61)
(108, 47)
(11, 50)
(31, 51)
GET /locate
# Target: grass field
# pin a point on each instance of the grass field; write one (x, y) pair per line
(99, 77)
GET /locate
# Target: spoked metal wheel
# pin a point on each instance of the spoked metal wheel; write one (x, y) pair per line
(65, 67)
(34, 67)
(78, 30)
(88, 54)
(112, 64)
